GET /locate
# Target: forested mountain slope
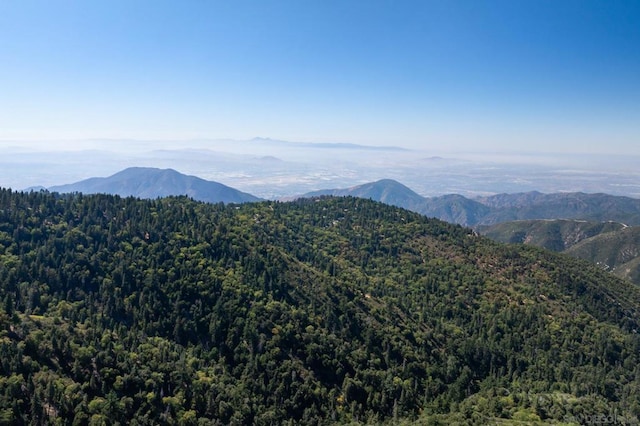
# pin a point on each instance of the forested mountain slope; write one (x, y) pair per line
(569, 205)
(552, 234)
(318, 311)
(617, 252)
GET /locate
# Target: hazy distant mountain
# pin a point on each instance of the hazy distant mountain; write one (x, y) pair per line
(321, 145)
(574, 205)
(455, 209)
(387, 191)
(152, 183)
(503, 201)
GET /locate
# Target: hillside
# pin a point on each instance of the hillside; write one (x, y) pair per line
(610, 245)
(146, 182)
(455, 208)
(320, 311)
(570, 205)
(556, 235)
(617, 252)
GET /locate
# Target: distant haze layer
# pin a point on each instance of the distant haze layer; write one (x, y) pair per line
(273, 169)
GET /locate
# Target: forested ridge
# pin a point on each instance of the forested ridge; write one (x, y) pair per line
(332, 310)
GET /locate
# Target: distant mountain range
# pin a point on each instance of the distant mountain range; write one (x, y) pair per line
(145, 182)
(572, 205)
(498, 208)
(322, 145)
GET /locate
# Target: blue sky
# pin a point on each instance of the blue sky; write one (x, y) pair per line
(460, 75)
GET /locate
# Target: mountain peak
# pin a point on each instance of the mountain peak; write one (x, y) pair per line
(149, 182)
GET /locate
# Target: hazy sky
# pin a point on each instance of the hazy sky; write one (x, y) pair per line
(470, 75)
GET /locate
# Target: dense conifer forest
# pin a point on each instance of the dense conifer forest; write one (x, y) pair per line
(320, 311)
